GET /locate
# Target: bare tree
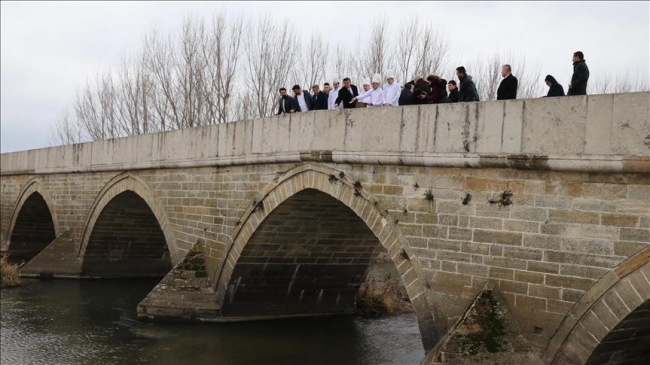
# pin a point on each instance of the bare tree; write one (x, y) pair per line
(66, 131)
(313, 61)
(270, 50)
(227, 68)
(376, 55)
(221, 53)
(342, 62)
(406, 49)
(431, 52)
(605, 83)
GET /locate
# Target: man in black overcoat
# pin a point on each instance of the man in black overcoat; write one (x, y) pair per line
(508, 87)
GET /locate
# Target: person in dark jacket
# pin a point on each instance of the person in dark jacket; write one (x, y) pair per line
(454, 95)
(508, 87)
(287, 104)
(406, 96)
(438, 91)
(554, 87)
(303, 98)
(346, 94)
(578, 85)
(468, 91)
(420, 91)
(319, 99)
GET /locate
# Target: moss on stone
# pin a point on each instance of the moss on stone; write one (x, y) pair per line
(484, 327)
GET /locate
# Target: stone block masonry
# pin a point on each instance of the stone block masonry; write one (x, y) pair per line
(288, 212)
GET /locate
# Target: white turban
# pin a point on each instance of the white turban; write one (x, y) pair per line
(366, 81)
(390, 74)
(376, 78)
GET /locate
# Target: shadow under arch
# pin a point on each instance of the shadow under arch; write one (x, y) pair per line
(127, 224)
(33, 224)
(319, 180)
(611, 322)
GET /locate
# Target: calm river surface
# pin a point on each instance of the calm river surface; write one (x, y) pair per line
(94, 322)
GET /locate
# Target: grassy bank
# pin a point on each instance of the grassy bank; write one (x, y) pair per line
(8, 273)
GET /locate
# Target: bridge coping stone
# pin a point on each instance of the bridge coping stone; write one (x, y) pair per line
(617, 137)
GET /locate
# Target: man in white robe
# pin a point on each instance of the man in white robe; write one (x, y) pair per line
(392, 90)
(333, 94)
(376, 94)
(363, 102)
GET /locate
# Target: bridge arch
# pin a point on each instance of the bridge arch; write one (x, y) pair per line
(611, 322)
(321, 186)
(33, 223)
(127, 233)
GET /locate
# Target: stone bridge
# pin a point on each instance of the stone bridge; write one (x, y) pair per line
(546, 200)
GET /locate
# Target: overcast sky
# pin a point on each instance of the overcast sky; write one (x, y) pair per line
(48, 49)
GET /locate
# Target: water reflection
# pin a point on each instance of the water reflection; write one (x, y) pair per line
(93, 322)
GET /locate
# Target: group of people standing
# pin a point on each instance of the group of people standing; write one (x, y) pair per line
(432, 90)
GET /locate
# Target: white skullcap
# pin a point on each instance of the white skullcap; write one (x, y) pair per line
(335, 78)
(376, 78)
(366, 81)
(390, 74)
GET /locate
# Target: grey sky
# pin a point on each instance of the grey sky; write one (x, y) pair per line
(48, 49)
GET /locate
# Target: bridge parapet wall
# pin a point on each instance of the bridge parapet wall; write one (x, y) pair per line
(584, 133)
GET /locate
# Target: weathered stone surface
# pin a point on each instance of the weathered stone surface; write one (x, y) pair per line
(576, 212)
(485, 334)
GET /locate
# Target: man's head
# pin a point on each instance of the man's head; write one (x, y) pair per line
(505, 70)
(376, 81)
(452, 85)
(460, 72)
(347, 82)
(326, 88)
(315, 89)
(336, 84)
(390, 77)
(296, 89)
(578, 56)
(283, 91)
(366, 84)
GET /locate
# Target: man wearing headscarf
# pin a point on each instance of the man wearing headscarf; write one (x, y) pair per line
(391, 90)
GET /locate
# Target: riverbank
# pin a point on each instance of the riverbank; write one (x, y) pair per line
(383, 293)
(8, 273)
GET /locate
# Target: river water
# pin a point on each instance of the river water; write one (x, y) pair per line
(94, 322)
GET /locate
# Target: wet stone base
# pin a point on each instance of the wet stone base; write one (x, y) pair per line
(485, 334)
(185, 293)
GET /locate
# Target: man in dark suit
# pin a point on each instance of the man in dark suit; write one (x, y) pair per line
(319, 99)
(508, 87)
(346, 94)
(287, 103)
(578, 85)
